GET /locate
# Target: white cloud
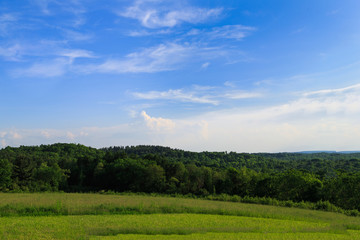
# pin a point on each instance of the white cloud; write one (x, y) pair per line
(143, 33)
(76, 36)
(205, 65)
(58, 66)
(76, 53)
(177, 94)
(20, 52)
(156, 14)
(70, 135)
(12, 53)
(230, 84)
(164, 57)
(10, 135)
(237, 32)
(15, 135)
(197, 94)
(3, 143)
(7, 21)
(43, 5)
(53, 68)
(7, 17)
(45, 133)
(317, 122)
(355, 87)
(323, 120)
(73, 6)
(158, 124)
(241, 95)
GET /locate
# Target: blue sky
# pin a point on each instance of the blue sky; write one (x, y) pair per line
(244, 76)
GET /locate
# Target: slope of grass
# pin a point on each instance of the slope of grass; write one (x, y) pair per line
(96, 216)
(39, 204)
(243, 236)
(153, 226)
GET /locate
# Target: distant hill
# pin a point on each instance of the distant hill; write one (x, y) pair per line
(342, 152)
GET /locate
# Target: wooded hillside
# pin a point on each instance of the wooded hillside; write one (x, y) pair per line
(332, 177)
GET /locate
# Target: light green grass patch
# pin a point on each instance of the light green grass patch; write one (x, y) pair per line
(84, 216)
(90, 204)
(82, 227)
(244, 236)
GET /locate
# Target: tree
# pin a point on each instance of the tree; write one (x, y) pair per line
(23, 168)
(49, 178)
(298, 186)
(5, 174)
(154, 178)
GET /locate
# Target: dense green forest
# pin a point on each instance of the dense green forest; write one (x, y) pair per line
(314, 177)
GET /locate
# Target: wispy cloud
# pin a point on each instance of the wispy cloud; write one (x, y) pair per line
(7, 17)
(7, 21)
(71, 35)
(198, 94)
(53, 68)
(177, 95)
(12, 53)
(50, 7)
(58, 63)
(144, 33)
(43, 5)
(324, 103)
(237, 32)
(325, 92)
(205, 65)
(164, 57)
(157, 14)
(46, 58)
(76, 53)
(241, 95)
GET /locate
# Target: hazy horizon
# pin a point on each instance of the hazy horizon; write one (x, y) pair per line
(242, 76)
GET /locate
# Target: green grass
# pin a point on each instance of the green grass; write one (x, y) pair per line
(97, 216)
(165, 225)
(37, 204)
(242, 236)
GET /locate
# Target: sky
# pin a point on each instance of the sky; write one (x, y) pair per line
(198, 75)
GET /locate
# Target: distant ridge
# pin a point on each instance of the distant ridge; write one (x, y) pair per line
(341, 152)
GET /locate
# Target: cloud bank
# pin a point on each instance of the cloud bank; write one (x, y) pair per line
(328, 119)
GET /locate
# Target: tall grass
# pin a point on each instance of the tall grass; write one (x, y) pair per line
(47, 204)
(83, 227)
(113, 216)
(241, 235)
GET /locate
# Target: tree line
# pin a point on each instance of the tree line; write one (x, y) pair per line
(153, 169)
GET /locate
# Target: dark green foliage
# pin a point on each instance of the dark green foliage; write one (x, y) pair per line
(5, 174)
(289, 177)
(344, 190)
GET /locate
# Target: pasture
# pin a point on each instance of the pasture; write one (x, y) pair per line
(99, 216)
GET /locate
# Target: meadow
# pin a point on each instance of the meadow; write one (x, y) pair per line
(101, 216)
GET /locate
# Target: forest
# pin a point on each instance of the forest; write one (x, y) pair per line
(297, 177)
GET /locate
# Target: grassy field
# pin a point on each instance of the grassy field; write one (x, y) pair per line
(97, 216)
